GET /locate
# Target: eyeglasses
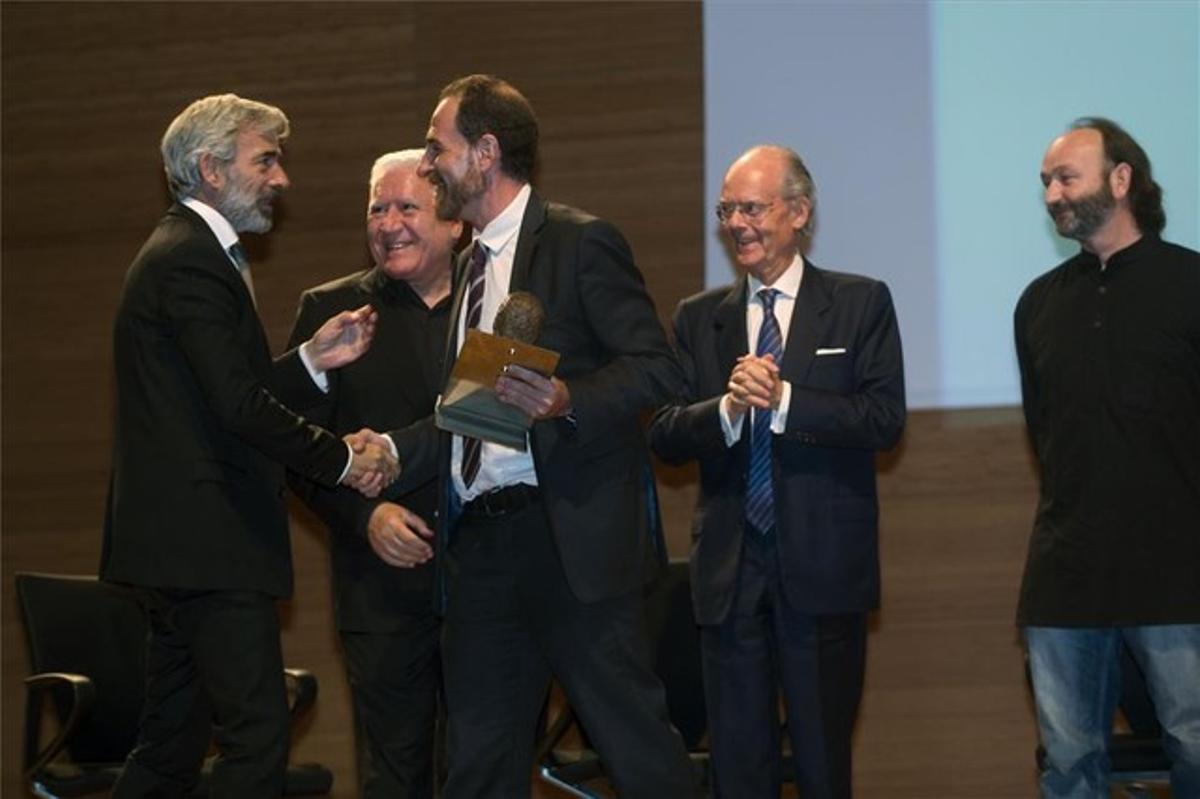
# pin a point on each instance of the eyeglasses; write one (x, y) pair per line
(751, 211)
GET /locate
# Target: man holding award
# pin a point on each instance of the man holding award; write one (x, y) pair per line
(544, 548)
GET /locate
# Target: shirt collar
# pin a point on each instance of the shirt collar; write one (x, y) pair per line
(226, 235)
(788, 283)
(498, 233)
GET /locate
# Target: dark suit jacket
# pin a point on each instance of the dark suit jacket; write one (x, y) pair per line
(595, 476)
(394, 384)
(843, 408)
(196, 497)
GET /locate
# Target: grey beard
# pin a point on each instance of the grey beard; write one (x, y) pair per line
(242, 210)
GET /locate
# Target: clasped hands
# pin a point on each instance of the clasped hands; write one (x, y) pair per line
(754, 383)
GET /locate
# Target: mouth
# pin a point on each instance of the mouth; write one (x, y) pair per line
(394, 246)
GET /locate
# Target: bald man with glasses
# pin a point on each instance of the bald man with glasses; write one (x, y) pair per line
(794, 382)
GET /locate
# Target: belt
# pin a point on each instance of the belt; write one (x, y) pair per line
(502, 501)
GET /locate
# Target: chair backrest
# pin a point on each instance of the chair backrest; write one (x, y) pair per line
(83, 626)
(676, 642)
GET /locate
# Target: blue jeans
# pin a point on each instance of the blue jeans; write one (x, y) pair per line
(1076, 685)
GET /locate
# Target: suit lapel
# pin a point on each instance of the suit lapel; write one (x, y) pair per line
(808, 322)
(729, 328)
(458, 290)
(531, 226)
(224, 267)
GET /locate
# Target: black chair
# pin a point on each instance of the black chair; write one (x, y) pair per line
(87, 644)
(1136, 755)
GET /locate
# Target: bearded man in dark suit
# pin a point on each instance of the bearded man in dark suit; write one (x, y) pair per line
(196, 518)
(546, 551)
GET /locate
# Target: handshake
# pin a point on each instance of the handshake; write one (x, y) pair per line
(372, 462)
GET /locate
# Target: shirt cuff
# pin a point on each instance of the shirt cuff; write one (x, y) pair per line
(316, 374)
(779, 415)
(349, 462)
(731, 429)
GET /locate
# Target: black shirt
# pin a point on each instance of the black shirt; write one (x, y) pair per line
(394, 383)
(1110, 376)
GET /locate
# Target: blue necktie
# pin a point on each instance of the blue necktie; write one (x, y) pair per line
(760, 496)
(472, 447)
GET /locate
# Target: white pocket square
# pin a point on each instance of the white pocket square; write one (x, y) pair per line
(831, 351)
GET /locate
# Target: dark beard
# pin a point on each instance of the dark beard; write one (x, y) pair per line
(1084, 216)
(452, 197)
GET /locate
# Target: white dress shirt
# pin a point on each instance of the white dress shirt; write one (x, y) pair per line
(498, 465)
(788, 286)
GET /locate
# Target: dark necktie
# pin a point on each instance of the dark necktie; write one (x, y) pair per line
(238, 254)
(471, 445)
(760, 496)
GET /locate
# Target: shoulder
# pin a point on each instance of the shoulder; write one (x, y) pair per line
(1179, 255)
(1035, 293)
(559, 214)
(346, 286)
(846, 287)
(180, 229)
(568, 222)
(180, 242)
(705, 301)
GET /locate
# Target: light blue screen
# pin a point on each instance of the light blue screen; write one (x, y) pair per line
(924, 125)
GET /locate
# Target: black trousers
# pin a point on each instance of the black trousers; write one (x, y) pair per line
(395, 678)
(214, 671)
(512, 621)
(762, 645)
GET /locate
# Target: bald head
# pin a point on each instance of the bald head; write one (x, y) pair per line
(765, 208)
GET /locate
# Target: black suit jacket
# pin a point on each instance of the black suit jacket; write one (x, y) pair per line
(595, 475)
(844, 407)
(196, 496)
(394, 384)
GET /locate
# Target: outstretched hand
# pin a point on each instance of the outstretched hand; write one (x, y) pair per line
(342, 339)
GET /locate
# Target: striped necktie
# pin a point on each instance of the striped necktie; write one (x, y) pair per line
(760, 495)
(472, 446)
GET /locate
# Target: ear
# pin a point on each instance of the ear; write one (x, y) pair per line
(487, 150)
(212, 171)
(800, 215)
(1120, 179)
(456, 229)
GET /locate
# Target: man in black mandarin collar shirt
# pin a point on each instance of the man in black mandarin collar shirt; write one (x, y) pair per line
(382, 575)
(1109, 349)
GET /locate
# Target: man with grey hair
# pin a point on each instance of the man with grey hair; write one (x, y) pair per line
(382, 574)
(196, 520)
(785, 564)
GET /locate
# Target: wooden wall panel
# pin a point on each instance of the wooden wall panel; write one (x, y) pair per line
(88, 89)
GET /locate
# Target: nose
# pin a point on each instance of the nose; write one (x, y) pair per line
(1053, 192)
(392, 219)
(425, 165)
(279, 178)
